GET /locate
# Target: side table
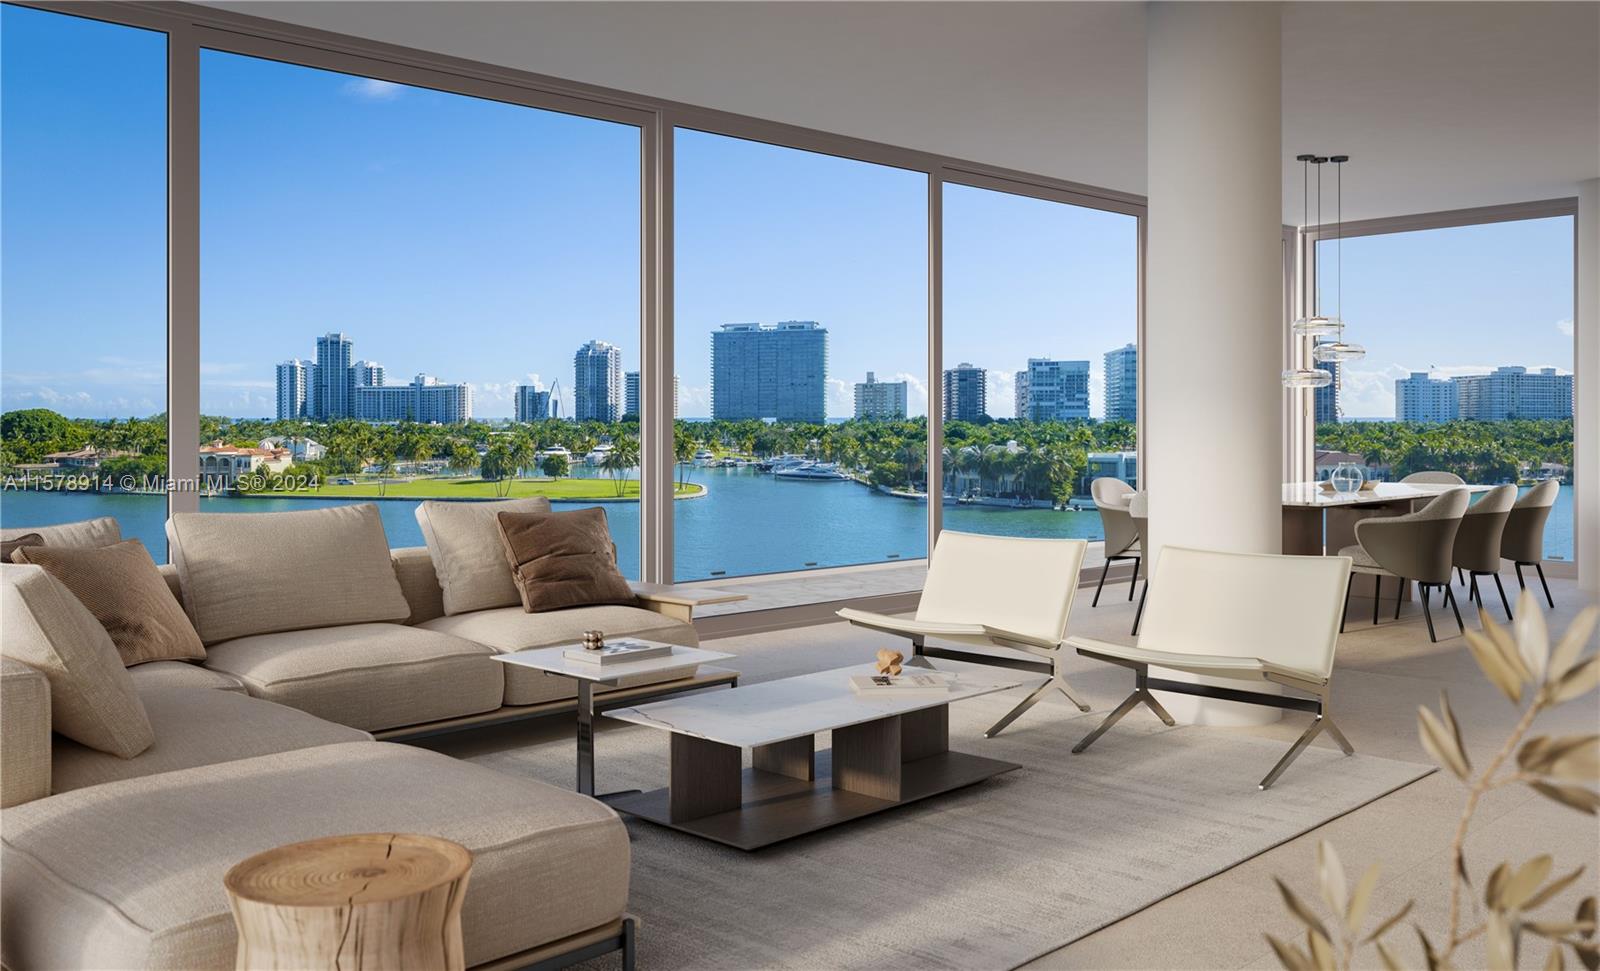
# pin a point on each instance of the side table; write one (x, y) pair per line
(361, 902)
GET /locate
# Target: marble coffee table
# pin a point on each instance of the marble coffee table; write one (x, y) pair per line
(887, 752)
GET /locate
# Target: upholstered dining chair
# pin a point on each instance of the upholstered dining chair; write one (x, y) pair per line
(1194, 625)
(1111, 497)
(1139, 512)
(1433, 478)
(994, 591)
(1416, 546)
(1477, 546)
(1523, 540)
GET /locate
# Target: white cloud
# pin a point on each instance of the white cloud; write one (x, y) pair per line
(916, 392)
(841, 398)
(372, 89)
(1565, 326)
(1002, 393)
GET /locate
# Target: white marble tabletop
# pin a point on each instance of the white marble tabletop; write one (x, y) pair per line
(554, 660)
(1312, 495)
(775, 711)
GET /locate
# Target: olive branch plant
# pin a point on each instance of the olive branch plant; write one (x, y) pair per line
(1564, 768)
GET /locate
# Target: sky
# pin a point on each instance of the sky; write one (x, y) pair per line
(484, 242)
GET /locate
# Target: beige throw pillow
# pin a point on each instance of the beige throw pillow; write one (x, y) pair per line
(259, 573)
(8, 547)
(562, 559)
(92, 697)
(124, 589)
(464, 543)
(81, 535)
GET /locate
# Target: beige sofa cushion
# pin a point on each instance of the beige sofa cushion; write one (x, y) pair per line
(129, 874)
(198, 726)
(86, 533)
(182, 674)
(512, 629)
(464, 542)
(24, 733)
(367, 676)
(92, 698)
(123, 588)
(418, 582)
(264, 572)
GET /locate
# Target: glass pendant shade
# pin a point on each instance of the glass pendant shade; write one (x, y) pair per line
(1338, 351)
(1307, 378)
(1318, 326)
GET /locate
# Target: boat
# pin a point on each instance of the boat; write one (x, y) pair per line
(812, 472)
(599, 455)
(704, 456)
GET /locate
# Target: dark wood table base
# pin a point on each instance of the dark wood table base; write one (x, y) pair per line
(791, 790)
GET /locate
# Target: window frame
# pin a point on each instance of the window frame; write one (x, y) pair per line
(190, 29)
(1300, 433)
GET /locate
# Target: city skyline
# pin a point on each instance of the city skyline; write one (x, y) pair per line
(333, 198)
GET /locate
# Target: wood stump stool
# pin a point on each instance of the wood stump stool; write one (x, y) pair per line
(362, 902)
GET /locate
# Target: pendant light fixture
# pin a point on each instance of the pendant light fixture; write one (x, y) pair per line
(1336, 349)
(1315, 325)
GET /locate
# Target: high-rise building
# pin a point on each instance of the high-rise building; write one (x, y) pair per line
(880, 400)
(368, 374)
(334, 396)
(423, 400)
(778, 372)
(1122, 383)
(1424, 398)
(1325, 400)
(966, 397)
(1056, 390)
(296, 389)
(597, 385)
(1514, 392)
(1019, 394)
(630, 396)
(531, 403)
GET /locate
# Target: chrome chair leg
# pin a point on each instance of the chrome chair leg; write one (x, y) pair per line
(1338, 736)
(1140, 695)
(1022, 706)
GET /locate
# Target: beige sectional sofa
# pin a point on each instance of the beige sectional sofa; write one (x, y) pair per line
(118, 862)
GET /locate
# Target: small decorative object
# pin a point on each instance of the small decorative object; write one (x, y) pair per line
(594, 640)
(889, 661)
(1347, 477)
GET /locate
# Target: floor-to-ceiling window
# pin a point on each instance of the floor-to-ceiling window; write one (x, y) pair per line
(83, 233)
(1468, 332)
(409, 294)
(1040, 387)
(801, 349)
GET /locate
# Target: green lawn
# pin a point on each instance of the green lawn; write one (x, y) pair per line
(472, 488)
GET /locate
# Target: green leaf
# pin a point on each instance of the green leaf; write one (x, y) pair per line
(1330, 879)
(1440, 742)
(1385, 927)
(1359, 899)
(1577, 797)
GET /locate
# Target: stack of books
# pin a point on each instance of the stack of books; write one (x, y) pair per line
(616, 652)
(905, 684)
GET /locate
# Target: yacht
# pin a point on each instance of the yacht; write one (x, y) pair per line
(812, 472)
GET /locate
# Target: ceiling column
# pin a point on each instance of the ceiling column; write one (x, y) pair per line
(1214, 327)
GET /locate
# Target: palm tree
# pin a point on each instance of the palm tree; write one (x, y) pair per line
(620, 459)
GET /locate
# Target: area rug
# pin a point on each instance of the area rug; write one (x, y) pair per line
(988, 877)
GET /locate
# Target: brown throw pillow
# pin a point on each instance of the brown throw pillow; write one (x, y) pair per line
(10, 546)
(124, 589)
(562, 559)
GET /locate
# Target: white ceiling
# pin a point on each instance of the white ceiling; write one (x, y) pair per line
(1440, 105)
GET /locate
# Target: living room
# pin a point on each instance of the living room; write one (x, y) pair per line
(808, 423)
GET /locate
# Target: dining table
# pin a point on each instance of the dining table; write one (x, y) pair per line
(1319, 521)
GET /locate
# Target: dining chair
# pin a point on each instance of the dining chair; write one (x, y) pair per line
(1111, 497)
(1433, 478)
(994, 591)
(1139, 512)
(1240, 617)
(1477, 546)
(1523, 540)
(1416, 546)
